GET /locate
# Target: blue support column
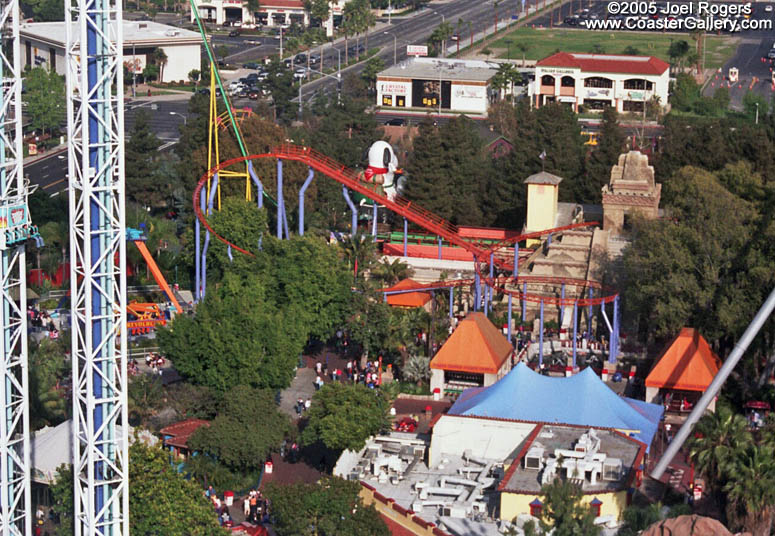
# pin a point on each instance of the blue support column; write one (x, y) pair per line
(258, 183)
(477, 290)
(515, 270)
(353, 209)
(208, 212)
(549, 240)
(541, 337)
(524, 303)
(301, 200)
(589, 317)
(614, 352)
(406, 225)
(575, 329)
(439, 239)
(384, 297)
(279, 199)
(562, 301)
(492, 275)
(374, 221)
(509, 321)
(486, 299)
(451, 301)
(198, 259)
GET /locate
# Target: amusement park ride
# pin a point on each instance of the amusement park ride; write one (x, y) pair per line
(98, 236)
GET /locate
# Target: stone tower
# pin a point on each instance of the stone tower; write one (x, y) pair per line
(631, 190)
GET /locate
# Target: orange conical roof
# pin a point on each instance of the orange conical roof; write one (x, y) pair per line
(407, 299)
(687, 364)
(475, 346)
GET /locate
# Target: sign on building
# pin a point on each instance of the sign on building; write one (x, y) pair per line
(416, 50)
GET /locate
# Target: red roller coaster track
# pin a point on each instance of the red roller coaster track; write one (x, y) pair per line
(419, 216)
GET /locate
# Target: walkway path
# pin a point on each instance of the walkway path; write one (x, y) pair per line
(302, 386)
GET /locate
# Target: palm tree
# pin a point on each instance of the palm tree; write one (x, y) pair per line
(391, 273)
(751, 490)
(523, 47)
(360, 252)
(160, 58)
(719, 439)
(417, 369)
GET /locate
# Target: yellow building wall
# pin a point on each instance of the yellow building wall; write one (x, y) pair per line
(514, 504)
(541, 207)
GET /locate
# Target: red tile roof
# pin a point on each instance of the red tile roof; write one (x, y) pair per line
(475, 346)
(289, 4)
(687, 364)
(181, 431)
(408, 299)
(607, 63)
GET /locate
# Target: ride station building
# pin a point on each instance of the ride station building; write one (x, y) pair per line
(595, 81)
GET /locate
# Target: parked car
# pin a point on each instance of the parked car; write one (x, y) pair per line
(771, 54)
(314, 59)
(234, 33)
(253, 94)
(252, 66)
(299, 74)
(396, 122)
(300, 59)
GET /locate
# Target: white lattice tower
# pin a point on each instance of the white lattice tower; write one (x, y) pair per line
(15, 503)
(95, 121)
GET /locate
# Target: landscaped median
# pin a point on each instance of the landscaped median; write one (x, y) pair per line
(542, 42)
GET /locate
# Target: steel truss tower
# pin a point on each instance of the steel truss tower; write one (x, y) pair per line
(95, 121)
(15, 228)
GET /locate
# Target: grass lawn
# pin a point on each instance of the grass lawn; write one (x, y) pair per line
(545, 42)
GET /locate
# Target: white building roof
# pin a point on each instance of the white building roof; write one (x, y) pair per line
(139, 33)
(450, 69)
(53, 446)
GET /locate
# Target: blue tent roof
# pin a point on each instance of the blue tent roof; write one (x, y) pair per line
(582, 399)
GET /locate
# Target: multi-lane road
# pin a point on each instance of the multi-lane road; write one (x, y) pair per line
(50, 172)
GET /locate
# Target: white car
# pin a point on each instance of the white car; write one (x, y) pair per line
(299, 74)
(768, 8)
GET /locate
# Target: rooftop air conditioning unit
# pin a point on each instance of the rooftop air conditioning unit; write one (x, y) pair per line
(141, 25)
(171, 33)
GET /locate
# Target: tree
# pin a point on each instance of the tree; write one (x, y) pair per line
(140, 157)
(47, 10)
(62, 495)
(145, 393)
(683, 271)
(330, 507)
(238, 337)
(677, 51)
(247, 429)
(369, 74)
(417, 369)
(343, 417)
(505, 77)
(718, 440)
(194, 75)
(160, 59)
(389, 273)
(319, 9)
(448, 171)
(610, 145)
(751, 488)
(49, 376)
(45, 98)
(160, 499)
(685, 92)
(523, 47)
(755, 106)
(564, 512)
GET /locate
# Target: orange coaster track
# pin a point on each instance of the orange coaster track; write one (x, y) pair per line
(423, 218)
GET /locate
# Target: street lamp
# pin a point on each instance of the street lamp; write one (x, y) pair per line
(395, 45)
(185, 119)
(444, 41)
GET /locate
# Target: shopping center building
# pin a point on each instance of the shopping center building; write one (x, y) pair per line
(594, 81)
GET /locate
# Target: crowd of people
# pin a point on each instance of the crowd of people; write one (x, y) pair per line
(368, 375)
(41, 320)
(155, 361)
